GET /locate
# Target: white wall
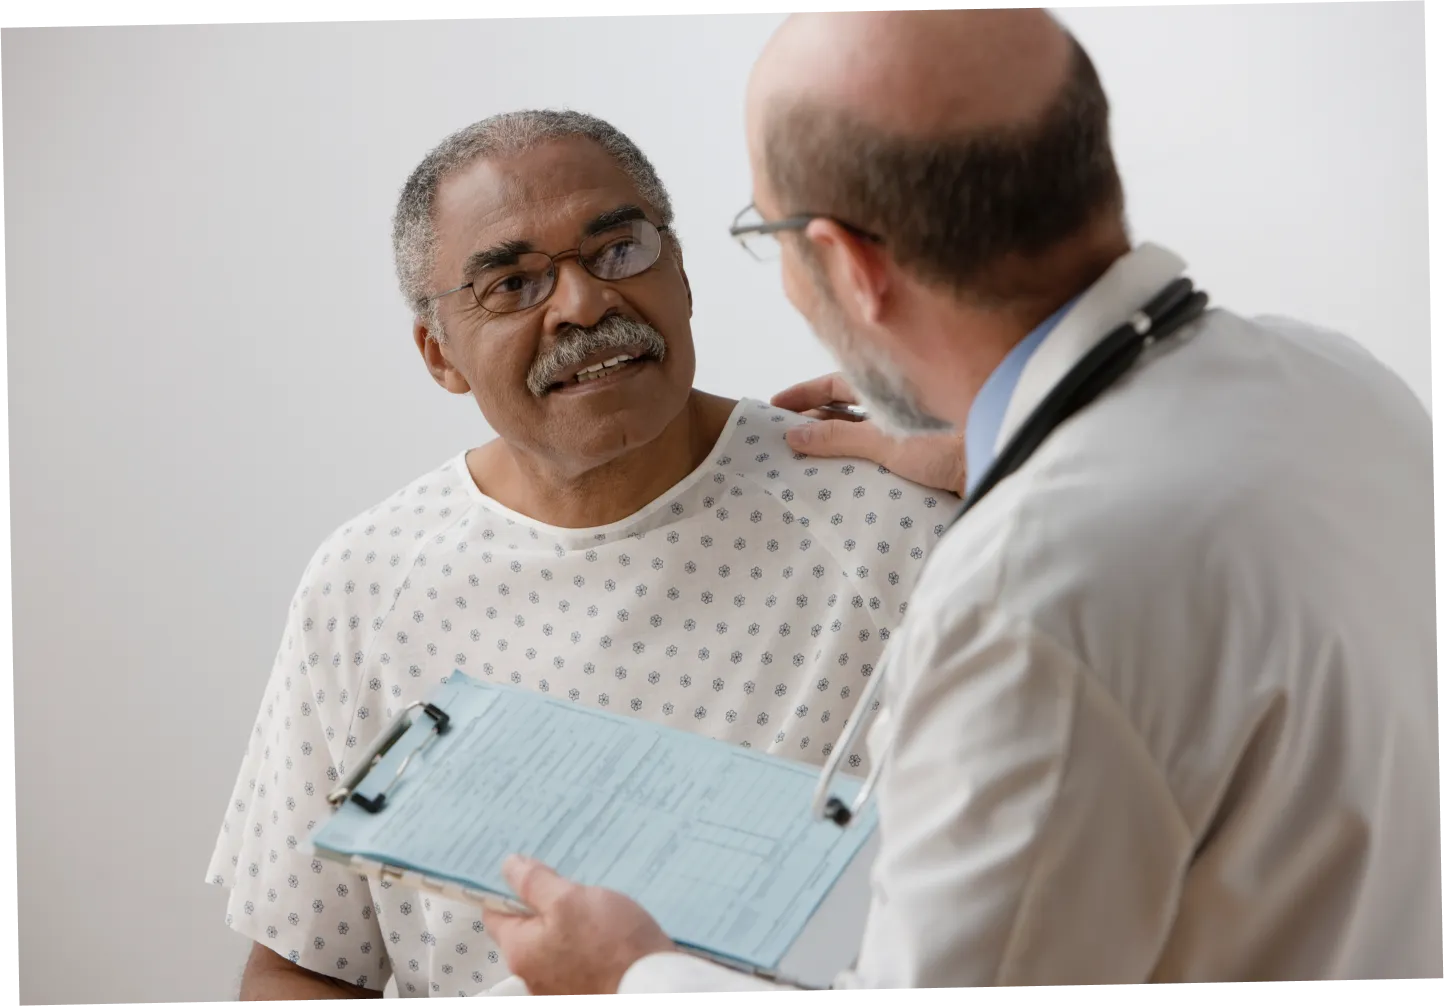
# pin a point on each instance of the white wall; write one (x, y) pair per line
(209, 366)
(1280, 150)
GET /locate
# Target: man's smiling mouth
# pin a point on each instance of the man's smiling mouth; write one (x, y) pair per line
(612, 368)
(601, 365)
(597, 370)
(614, 347)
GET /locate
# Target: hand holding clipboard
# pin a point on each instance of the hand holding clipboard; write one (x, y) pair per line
(715, 842)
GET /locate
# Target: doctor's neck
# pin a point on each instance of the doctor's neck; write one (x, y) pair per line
(957, 339)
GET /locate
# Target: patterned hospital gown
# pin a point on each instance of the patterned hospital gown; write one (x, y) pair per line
(749, 603)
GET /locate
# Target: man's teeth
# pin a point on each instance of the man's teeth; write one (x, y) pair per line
(597, 370)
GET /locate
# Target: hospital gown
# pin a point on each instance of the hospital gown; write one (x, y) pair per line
(749, 603)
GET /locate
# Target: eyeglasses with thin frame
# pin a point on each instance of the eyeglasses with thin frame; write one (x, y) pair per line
(515, 282)
(759, 237)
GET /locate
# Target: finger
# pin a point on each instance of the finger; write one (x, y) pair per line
(816, 392)
(840, 438)
(825, 414)
(506, 929)
(535, 883)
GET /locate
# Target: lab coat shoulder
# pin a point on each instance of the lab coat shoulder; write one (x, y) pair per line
(1190, 578)
(1028, 668)
(1006, 749)
(1175, 525)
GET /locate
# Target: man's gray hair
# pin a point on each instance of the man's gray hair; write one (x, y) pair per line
(413, 232)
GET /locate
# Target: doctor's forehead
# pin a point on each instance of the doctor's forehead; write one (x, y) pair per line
(545, 196)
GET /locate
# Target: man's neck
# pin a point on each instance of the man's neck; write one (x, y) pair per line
(609, 492)
(962, 366)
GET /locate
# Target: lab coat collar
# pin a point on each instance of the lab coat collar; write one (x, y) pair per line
(1126, 287)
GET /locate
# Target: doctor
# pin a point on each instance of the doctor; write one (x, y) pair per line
(1164, 706)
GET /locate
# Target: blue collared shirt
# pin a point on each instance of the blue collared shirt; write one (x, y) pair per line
(985, 417)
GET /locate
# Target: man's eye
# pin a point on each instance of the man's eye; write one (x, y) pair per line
(619, 249)
(617, 260)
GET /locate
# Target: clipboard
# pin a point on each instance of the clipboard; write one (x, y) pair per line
(427, 734)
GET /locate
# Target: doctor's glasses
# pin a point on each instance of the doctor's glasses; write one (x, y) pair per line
(759, 237)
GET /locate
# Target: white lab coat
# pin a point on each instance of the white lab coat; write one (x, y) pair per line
(1164, 706)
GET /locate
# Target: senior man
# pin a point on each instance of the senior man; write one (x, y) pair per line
(626, 541)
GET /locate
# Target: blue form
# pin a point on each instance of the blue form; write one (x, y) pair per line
(717, 842)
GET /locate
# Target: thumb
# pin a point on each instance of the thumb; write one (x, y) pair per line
(535, 883)
(840, 438)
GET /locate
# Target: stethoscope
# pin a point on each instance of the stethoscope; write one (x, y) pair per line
(1175, 306)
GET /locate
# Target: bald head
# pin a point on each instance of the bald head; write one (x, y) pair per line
(974, 143)
(919, 72)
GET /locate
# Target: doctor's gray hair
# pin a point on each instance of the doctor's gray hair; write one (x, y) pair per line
(965, 210)
(413, 231)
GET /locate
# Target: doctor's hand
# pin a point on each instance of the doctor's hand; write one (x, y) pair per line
(581, 941)
(934, 460)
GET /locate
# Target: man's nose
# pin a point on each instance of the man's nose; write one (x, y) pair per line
(580, 300)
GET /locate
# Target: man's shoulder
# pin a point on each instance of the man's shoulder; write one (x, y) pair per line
(382, 536)
(757, 449)
(851, 505)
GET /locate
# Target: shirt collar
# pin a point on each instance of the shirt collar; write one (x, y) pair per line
(985, 417)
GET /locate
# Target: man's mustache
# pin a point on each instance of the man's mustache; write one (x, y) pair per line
(613, 332)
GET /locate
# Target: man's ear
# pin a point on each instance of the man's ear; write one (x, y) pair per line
(856, 268)
(436, 362)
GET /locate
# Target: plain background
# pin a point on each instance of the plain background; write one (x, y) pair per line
(210, 367)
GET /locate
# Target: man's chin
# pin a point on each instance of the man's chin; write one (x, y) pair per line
(881, 389)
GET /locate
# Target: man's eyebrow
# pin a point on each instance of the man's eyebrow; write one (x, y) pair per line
(505, 253)
(508, 252)
(613, 218)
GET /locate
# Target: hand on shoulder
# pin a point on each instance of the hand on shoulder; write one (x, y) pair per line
(936, 460)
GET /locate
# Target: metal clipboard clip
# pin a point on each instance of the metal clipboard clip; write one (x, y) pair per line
(377, 750)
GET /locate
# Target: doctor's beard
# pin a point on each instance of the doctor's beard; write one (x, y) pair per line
(882, 388)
